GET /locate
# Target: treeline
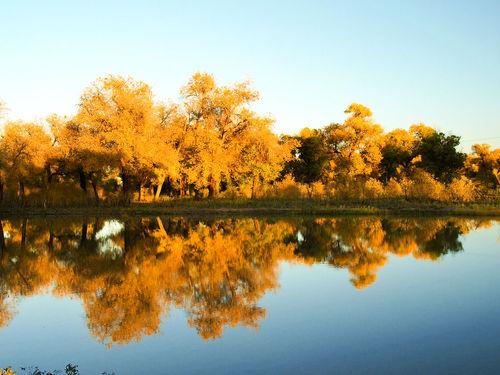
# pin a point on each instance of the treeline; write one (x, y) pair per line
(122, 145)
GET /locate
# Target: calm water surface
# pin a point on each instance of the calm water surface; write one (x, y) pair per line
(158, 295)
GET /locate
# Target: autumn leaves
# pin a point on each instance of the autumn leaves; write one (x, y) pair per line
(123, 145)
(356, 160)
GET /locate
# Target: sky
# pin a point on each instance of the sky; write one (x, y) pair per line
(424, 61)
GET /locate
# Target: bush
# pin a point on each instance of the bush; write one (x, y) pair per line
(462, 189)
(317, 190)
(393, 189)
(288, 188)
(373, 188)
(423, 185)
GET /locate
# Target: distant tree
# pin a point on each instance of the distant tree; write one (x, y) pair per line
(440, 157)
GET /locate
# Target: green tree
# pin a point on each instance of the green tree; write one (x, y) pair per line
(439, 156)
(309, 158)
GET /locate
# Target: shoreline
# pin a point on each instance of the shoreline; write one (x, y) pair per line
(300, 207)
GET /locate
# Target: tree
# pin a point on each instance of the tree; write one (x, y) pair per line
(262, 156)
(24, 153)
(309, 158)
(171, 132)
(396, 154)
(484, 165)
(79, 154)
(439, 156)
(354, 146)
(398, 151)
(218, 119)
(119, 119)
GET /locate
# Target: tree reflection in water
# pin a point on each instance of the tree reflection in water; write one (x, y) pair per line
(129, 273)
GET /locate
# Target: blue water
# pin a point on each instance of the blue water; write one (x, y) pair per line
(418, 316)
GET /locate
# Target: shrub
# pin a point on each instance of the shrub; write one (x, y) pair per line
(393, 189)
(288, 188)
(317, 190)
(462, 189)
(373, 188)
(423, 185)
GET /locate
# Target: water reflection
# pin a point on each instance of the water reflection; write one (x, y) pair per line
(129, 273)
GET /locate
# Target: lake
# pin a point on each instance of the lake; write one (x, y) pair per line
(156, 295)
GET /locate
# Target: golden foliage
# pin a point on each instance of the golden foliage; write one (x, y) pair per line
(462, 189)
(130, 274)
(123, 145)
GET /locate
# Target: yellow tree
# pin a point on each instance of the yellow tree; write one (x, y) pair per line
(397, 154)
(24, 152)
(218, 117)
(121, 119)
(484, 165)
(172, 133)
(262, 155)
(77, 152)
(355, 145)
(421, 131)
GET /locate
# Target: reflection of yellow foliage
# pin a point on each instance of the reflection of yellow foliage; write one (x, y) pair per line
(217, 271)
(7, 371)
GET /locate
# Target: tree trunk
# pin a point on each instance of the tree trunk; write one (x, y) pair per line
(22, 193)
(49, 174)
(125, 188)
(140, 192)
(83, 237)
(254, 186)
(23, 232)
(182, 187)
(158, 188)
(96, 193)
(161, 226)
(83, 180)
(47, 185)
(94, 227)
(213, 188)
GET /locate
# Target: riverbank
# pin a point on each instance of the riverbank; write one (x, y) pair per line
(266, 207)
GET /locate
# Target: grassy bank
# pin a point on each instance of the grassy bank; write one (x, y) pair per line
(247, 207)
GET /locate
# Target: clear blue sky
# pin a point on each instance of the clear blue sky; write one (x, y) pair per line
(430, 61)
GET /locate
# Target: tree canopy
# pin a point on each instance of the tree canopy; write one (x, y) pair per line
(124, 145)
